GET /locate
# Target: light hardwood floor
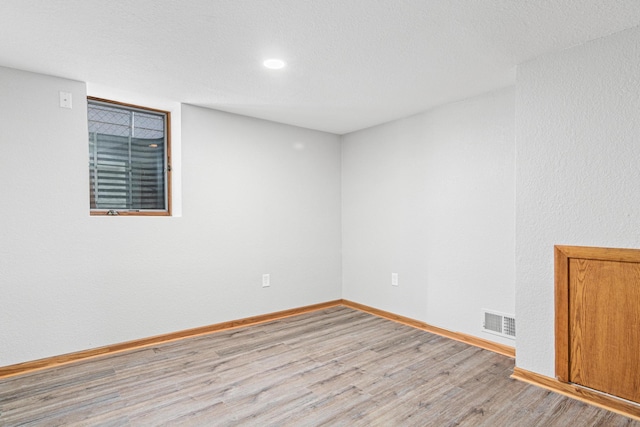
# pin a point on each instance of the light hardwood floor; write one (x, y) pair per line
(334, 367)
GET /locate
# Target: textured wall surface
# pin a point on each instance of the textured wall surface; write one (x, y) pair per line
(578, 169)
(432, 198)
(258, 197)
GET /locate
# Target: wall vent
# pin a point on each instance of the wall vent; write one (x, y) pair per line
(499, 323)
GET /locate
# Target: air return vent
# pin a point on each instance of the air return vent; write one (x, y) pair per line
(499, 324)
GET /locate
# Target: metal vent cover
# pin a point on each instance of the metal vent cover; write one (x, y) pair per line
(498, 323)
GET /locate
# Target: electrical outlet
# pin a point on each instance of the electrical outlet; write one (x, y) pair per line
(266, 280)
(394, 279)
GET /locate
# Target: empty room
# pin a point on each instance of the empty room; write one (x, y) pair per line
(332, 212)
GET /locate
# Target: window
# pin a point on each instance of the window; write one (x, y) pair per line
(129, 159)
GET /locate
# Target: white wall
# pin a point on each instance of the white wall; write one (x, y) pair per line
(261, 197)
(578, 171)
(432, 198)
(257, 197)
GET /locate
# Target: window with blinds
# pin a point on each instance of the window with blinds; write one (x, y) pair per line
(128, 159)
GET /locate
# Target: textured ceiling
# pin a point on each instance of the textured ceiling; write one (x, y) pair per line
(351, 63)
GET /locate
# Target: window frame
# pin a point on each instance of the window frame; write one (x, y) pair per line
(168, 174)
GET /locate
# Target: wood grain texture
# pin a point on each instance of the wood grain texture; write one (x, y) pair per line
(592, 397)
(561, 261)
(597, 296)
(22, 368)
(605, 326)
(337, 366)
(602, 254)
(505, 350)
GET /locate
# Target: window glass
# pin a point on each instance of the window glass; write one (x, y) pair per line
(128, 159)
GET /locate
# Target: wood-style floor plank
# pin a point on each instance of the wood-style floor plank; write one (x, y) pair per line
(334, 367)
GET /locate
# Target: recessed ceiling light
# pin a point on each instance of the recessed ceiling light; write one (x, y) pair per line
(274, 64)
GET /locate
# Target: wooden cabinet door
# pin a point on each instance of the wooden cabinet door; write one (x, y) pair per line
(598, 319)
